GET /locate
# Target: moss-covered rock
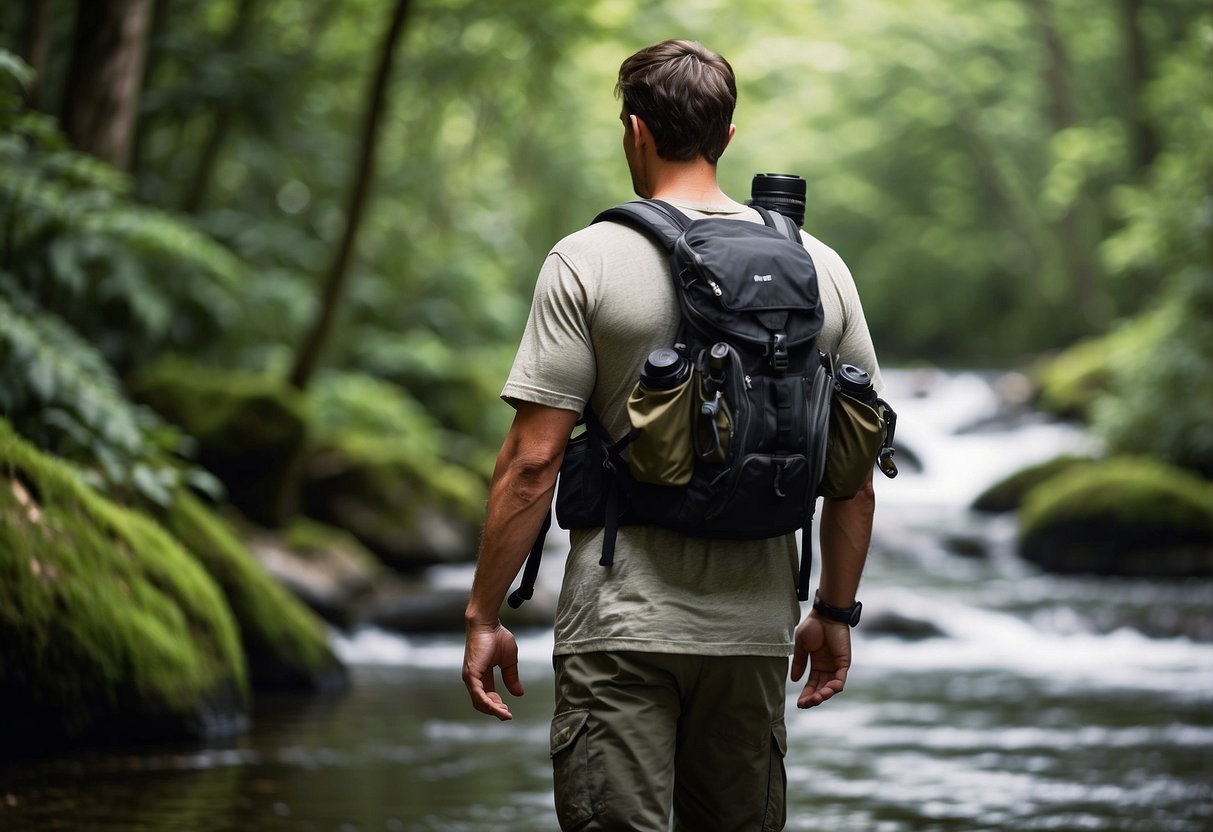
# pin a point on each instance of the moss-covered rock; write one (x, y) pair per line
(109, 630)
(1125, 516)
(286, 645)
(325, 568)
(1008, 493)
(409, 519)
(251, 430)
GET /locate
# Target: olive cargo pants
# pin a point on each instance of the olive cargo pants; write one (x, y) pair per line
(638, 736)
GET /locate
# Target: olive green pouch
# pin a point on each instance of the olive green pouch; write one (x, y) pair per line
(663, 452)
(857, 430)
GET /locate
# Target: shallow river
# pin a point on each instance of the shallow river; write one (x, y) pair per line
(1044, 703)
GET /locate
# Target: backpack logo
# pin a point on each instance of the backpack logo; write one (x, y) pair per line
(762, 278)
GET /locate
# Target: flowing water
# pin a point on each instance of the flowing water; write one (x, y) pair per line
(1041, 703)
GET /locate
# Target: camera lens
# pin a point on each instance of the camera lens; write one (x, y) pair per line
(782, 192)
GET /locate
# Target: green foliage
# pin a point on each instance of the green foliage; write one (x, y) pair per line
(60, 392)
(130, 279)
(76, 295)
(1072, 381)
(169, 650)
(1161, 398)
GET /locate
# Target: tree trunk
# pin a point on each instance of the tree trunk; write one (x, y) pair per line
(221, 118)
(1141, 132)
(35, 41)
(104, 77)
(337, 278)
(1073, 228)
(152, 60)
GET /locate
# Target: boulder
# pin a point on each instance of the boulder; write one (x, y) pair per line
(1129, 516)
(286, 644)
(900, 626)
(109, 630)
(403, 518)
(1008, 493)
(325, 568)
(250, 429)
(414, 606)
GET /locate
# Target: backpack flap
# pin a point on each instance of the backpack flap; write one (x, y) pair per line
(749, 281)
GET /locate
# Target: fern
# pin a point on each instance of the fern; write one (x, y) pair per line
(61, 393)
(89, 279)
(131, 279)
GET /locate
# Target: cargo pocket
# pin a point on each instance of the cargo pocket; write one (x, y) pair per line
(777, 780)
(571, 768)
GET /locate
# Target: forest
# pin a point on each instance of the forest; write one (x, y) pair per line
(264, 263)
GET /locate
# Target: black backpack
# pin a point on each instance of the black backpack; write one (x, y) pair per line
(758, 387)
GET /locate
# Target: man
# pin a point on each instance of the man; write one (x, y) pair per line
(670, 665)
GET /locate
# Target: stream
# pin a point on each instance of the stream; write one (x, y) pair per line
(1042, 702)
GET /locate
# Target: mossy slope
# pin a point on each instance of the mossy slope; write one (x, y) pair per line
(109, 630)
(286, 644)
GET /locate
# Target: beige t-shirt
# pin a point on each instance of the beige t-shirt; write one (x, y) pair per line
(603, 301)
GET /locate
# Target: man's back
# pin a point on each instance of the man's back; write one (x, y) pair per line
(605, 300)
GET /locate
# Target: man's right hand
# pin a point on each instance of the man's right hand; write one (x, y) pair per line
(824, 648)
(488, 646)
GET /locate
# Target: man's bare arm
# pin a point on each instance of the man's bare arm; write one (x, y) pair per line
(822, 645)
(520, 496)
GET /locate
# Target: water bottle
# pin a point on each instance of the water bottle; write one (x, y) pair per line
(856, 383)
(665, 369)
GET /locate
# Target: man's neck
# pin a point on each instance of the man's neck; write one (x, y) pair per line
(689, 182)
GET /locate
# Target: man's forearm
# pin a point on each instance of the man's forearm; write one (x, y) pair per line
(846, 533)
(520, 497)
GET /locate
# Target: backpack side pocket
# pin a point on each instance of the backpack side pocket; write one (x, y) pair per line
(663, 452)
(581, 496)
(856, 432)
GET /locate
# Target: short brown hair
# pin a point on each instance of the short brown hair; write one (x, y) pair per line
(685, 93)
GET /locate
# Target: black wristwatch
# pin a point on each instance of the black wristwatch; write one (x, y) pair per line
(844, 615)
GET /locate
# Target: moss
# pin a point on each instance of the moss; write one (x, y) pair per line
(1072, 381)
(391, 466)
(108, 628)
(1127, 516)
(1008, 493)
(408, 520)
(250, 429)
(310, 540)
(287, 646)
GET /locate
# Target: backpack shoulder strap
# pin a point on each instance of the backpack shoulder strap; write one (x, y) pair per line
(780, 223)
(659, 219)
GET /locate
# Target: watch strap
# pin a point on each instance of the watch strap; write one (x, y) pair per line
(843, 615)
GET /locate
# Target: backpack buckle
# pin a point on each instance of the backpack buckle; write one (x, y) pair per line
(778, 351)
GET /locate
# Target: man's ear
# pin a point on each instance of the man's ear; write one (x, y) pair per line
(732, 130)
(640, 132)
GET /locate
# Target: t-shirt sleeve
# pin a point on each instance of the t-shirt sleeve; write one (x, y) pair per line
(555, 363)
(855, 345)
